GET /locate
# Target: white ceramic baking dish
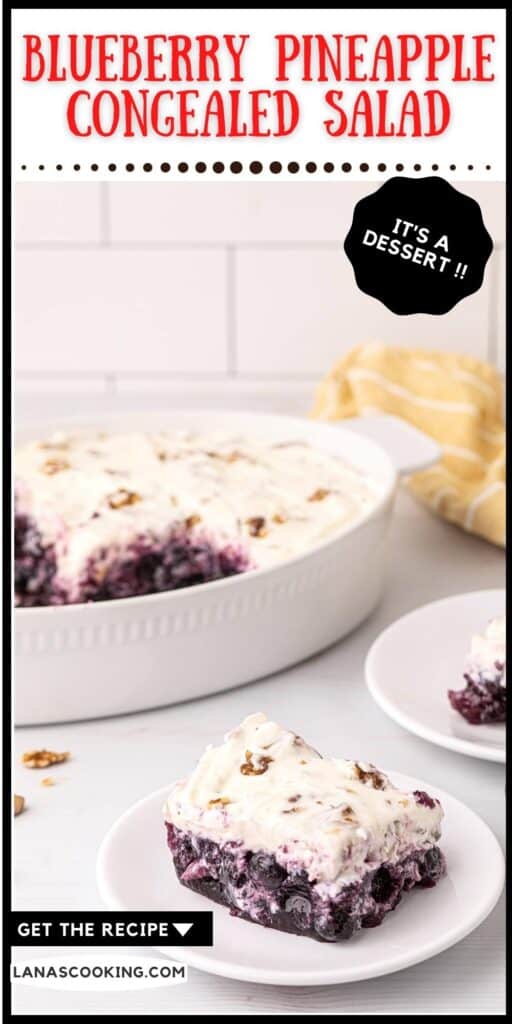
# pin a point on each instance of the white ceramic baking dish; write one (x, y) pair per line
(90, 660)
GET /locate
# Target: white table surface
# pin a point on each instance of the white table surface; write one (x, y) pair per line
(119, 760)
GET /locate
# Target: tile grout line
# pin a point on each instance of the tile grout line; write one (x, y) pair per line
(492, 322)
(170, 376)
(105, 226)
(323, 245)
(231, 320)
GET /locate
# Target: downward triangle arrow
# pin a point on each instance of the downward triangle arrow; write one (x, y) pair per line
(183, 928)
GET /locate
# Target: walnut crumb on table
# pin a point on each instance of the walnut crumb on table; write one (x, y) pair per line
(43, 758)
(19, 804)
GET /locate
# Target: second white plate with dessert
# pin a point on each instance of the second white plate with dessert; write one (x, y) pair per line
(135, 873)
(415, 661)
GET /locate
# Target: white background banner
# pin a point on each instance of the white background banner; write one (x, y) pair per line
(353, 92)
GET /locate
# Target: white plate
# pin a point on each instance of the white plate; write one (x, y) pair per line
(414, 662)
(135, 872)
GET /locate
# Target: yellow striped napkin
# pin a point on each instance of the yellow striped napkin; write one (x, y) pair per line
(455, 399)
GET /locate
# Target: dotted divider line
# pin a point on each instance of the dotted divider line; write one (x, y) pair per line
(255, 167)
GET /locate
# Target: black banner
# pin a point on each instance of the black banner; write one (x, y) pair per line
(53, 928)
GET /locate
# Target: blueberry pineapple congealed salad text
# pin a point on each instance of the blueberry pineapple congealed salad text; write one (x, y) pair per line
(294, 841)
(102, 516)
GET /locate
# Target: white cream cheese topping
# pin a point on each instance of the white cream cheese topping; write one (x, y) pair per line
(488, 652)
(267, 789)
(101, 491)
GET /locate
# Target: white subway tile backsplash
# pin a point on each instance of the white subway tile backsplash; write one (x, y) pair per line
(126, 284)
(34, 384)
(281, 396)
(491, 196)
(232, 212)
(499, 325)
(56, 402)
(299, 311)
(108, 311)
(53, 212)
(255, 212)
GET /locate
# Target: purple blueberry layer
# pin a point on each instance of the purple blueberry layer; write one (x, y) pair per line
(34, 566)
(149, 565)
(480, 704)
(255, 887)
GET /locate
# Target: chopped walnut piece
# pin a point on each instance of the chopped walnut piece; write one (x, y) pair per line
(222, 800)
(278, 518)
(349, 816)
(256, 526)
(293, 799)
(319, 494)
(232, 456)
(54, 446)
(248, 768)
(43, 758)
(192, 520)
(292, 810)
(52, 466)
(373, 777)
(19, 804)
(123, 497)
(48, 781)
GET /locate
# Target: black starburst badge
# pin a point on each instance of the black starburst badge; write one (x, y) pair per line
(418, 245)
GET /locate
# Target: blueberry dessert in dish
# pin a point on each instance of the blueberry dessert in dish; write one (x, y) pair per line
(305, 844)
(484, 697)
(102, 516)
